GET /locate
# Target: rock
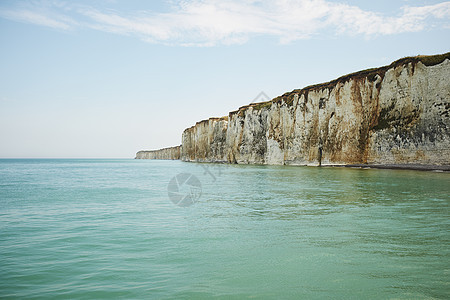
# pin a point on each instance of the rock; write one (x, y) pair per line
(166, 153)
(397, 114)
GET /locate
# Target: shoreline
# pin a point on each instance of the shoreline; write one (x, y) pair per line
(412, 167)
(415, 167)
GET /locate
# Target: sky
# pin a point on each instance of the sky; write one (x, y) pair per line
(106, 78)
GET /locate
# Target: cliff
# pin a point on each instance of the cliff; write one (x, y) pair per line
(397, 114)
(166, 153)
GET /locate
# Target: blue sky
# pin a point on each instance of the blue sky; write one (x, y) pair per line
(108, 78)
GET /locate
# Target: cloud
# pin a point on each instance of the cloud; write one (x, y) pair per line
(350, 19)
(38, 18)
(214, 22)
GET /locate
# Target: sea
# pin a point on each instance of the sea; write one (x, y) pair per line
(156, 229)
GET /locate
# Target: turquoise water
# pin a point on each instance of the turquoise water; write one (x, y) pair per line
(92, 229)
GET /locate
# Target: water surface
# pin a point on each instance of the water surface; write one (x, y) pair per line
(107, 229)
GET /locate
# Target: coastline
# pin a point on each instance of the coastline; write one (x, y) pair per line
(391, 117)
(415, 167)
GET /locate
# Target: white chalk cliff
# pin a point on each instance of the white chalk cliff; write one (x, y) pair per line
(397, 114)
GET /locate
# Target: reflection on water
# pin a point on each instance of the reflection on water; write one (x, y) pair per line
(296, 191)
(388, 226)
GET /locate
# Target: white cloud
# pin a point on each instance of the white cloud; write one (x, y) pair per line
(353, 19)
(212, 22)
(39, 18)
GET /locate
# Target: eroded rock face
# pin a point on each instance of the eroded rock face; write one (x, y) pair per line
(206, 141)
(166, 153)
(398, 114)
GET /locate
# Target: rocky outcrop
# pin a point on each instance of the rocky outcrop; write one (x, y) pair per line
(166, 153)
(397, 114)
(206, 141)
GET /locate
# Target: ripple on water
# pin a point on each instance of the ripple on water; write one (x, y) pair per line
(107, 229)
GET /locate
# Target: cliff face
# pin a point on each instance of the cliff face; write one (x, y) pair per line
(206, 141)
(398, 114)
(166, 153)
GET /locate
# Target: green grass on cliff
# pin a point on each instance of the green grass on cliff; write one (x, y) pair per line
(262, 105)
(433, 59)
